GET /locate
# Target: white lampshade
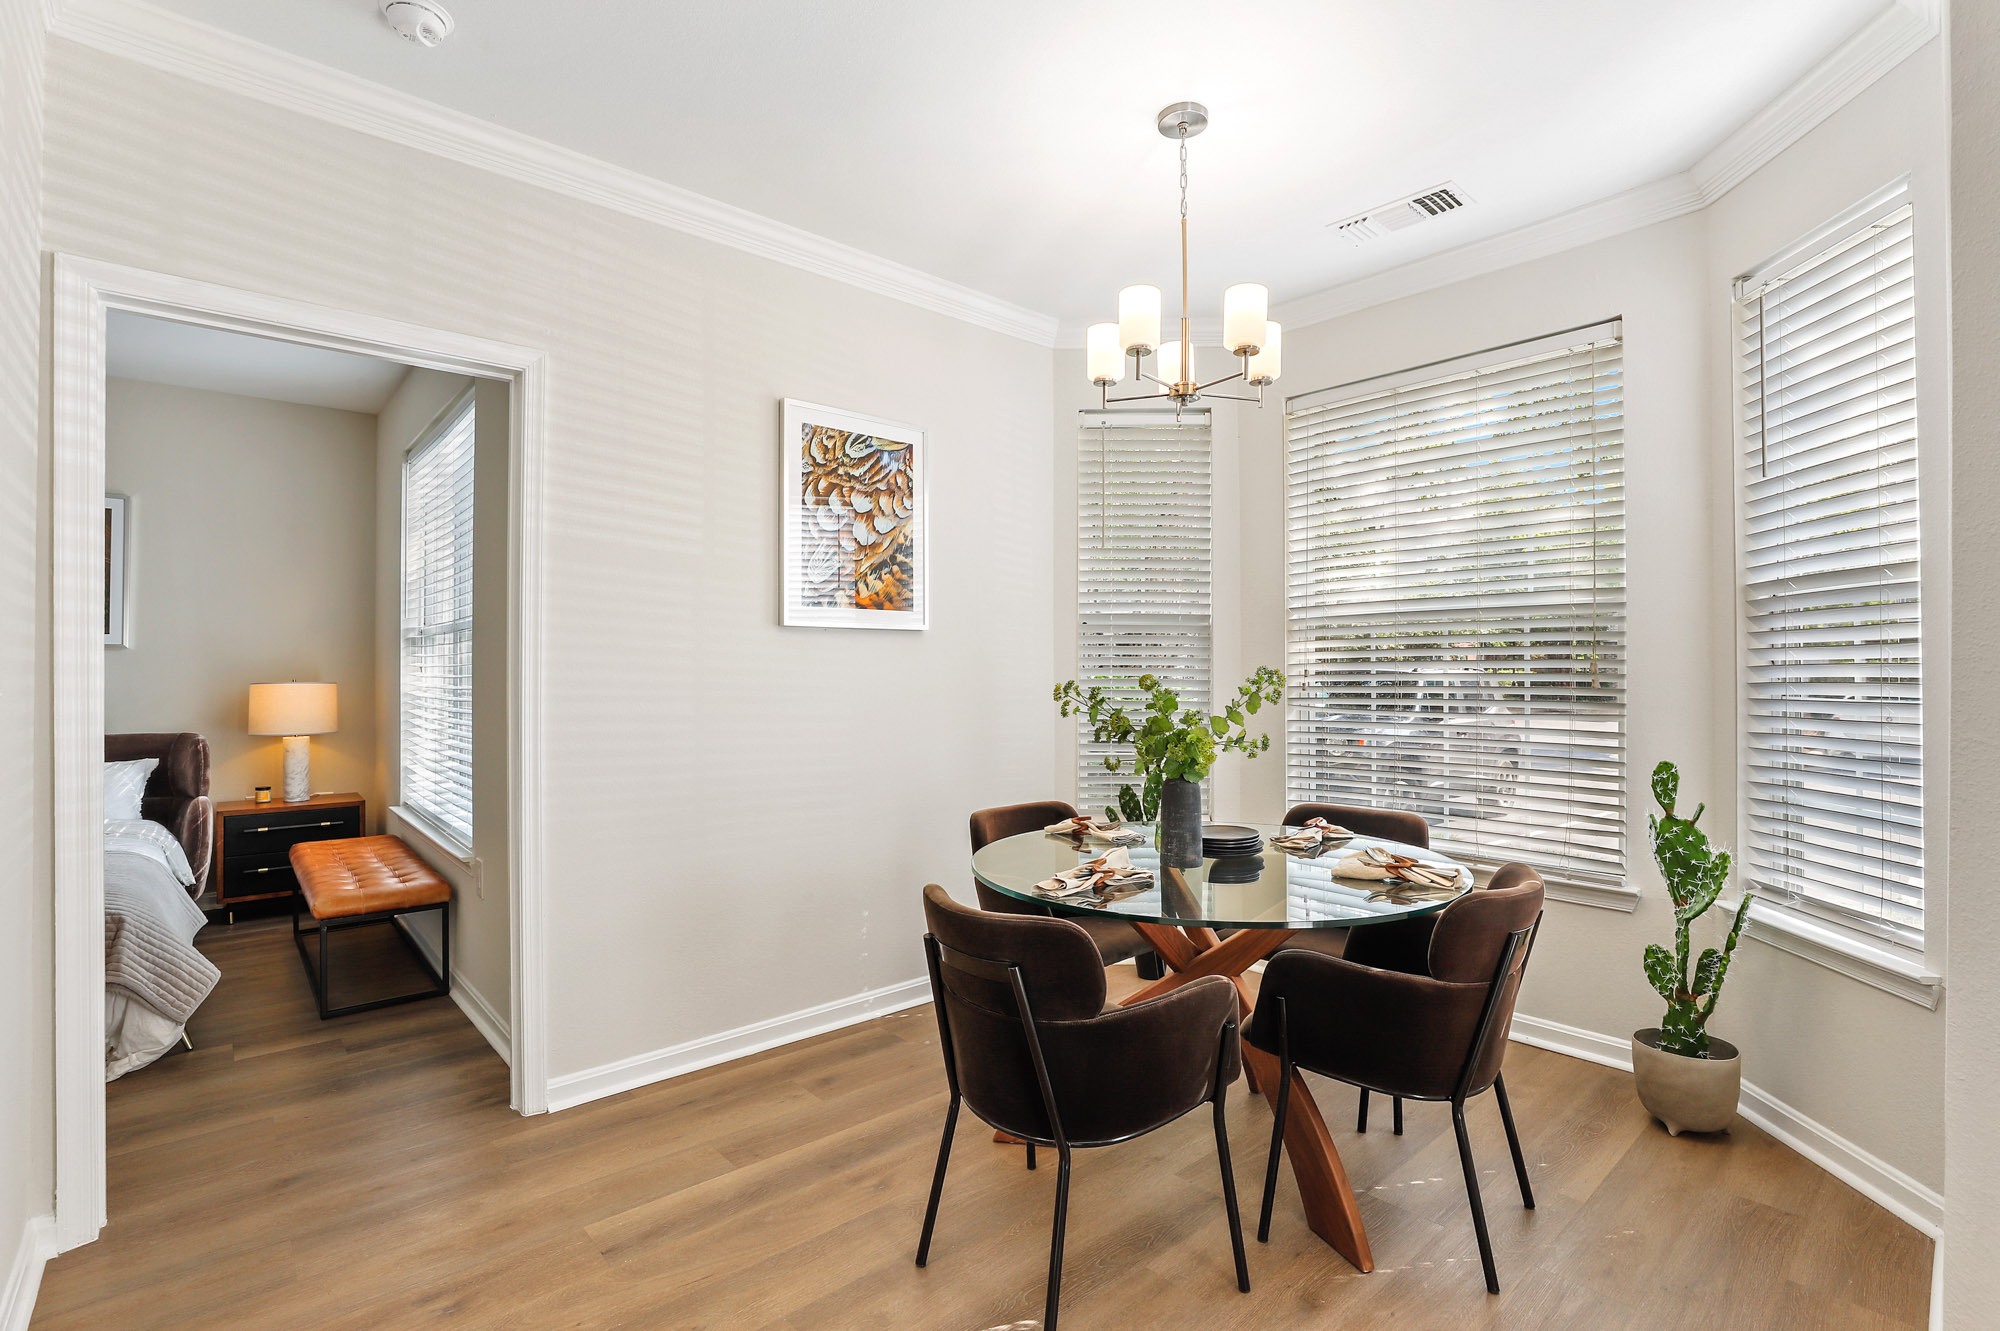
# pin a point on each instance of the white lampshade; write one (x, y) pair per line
(1244, 310)
(1263, 367)
(1139, 318)
(1102, 355)
(294, 709)
(1170, 369)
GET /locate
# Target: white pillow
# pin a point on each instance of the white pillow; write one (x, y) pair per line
(124, 784)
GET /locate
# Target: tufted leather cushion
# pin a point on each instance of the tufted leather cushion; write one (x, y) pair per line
(362, 875)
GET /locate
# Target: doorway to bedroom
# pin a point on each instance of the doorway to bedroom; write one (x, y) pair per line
(308, 631)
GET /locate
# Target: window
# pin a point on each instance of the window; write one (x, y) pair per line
(1832, 695)
(437, 625)
(1142, 569)
(1456, 544)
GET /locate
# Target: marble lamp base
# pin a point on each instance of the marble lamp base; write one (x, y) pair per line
(298, 768)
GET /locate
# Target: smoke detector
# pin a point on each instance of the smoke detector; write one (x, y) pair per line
(421, 21)
(1404, 212)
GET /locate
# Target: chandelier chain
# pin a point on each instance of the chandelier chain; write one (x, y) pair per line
(1184, 173)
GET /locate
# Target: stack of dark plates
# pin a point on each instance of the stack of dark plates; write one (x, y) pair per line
(1227, 841)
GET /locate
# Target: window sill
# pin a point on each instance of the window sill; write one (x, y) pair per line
(1604, 896)
(1844, 952)
(435, 838)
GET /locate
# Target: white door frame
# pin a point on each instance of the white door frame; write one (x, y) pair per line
(85, 292)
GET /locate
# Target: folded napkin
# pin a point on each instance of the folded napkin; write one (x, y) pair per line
(1100, 830)
(1316, 833)
(1377, 863)
(1107, 878)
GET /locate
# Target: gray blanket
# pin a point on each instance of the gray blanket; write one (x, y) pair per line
(149, 929)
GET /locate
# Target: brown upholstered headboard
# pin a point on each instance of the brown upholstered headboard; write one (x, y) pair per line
(176, 793)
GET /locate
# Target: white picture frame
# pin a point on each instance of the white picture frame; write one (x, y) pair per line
(117, 616)
(855, 525)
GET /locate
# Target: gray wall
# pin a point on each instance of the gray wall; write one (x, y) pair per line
(251, 550)
(677, 712)
(27, 985)
(1972, 1052)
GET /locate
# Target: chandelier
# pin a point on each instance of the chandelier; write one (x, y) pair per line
(1246, 333)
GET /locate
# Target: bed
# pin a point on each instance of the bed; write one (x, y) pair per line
(158, 838)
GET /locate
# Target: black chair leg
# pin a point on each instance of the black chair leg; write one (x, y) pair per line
(1229, 1198)
(1031, 1155)
(1513, 1142)
(1150, 966)
(1361, 1118)
(1056, 1239)
(1472, 1195)
(1399, 1115)
(1279, 1105)
(937, 1183)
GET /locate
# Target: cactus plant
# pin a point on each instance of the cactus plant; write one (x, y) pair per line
(1696, 874)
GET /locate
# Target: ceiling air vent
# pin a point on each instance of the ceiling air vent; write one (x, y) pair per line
(1400, 213)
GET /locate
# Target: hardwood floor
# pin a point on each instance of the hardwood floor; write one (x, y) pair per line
(366, 1173)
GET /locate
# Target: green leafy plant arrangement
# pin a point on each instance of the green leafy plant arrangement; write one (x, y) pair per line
(1696, 873)
(1169, 744)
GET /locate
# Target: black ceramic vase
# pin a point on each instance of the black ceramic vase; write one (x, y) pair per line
(1180, 824)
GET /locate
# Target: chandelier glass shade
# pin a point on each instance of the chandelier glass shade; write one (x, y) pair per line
(1247, 331)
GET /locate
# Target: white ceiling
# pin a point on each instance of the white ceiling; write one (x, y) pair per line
(161, 351)
(1011, 148)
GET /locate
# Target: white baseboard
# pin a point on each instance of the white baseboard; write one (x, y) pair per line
(24, 1275)
(1937, 1286)
(488, 1021)
(577, 1088)
(1874, 1178)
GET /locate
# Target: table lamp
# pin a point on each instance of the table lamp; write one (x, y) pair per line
(295, 710)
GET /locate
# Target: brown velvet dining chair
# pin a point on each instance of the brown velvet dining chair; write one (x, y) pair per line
(1116, 940)
(1388, 946)
(1438, 1032)
(1029, 1047)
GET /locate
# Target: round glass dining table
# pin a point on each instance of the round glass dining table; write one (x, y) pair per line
(1264, 901)
(1270, 890)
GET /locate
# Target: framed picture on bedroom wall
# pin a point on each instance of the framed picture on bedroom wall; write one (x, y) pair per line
(854, 513)
(117, 625)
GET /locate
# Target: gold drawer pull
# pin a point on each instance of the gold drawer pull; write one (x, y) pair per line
(293, 827)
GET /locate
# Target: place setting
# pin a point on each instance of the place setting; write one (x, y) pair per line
(1109, 878)
(1314, 838)
(1087, 829)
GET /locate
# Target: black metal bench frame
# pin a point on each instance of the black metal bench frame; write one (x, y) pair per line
(440, 975)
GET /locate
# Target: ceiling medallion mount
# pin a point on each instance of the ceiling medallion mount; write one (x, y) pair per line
(1189, 116)
(1247, 333)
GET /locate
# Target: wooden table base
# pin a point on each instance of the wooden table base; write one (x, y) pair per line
(1323, 1187)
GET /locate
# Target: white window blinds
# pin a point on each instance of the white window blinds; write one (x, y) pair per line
(437, 625)
(1457, 603)
(1142, 570)
(1832, 669)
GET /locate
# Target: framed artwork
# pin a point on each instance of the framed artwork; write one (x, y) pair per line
(854, 514)
(115, 623)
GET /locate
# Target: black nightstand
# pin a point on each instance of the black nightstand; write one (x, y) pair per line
(253, 843)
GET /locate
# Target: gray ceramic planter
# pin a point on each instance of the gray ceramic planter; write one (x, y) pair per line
(1180, 824)
(1687, 1094)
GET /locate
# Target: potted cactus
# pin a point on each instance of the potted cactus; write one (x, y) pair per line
(1687, 1078)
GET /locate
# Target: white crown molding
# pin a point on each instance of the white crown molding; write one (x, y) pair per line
(1894, 35)
(164, 40)
(1891, 37)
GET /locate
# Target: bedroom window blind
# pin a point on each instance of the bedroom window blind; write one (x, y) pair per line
(437, 625)
(1142, 570)
(1832, 742)
(1456, 548)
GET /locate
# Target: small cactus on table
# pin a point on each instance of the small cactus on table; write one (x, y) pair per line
(1695, 873)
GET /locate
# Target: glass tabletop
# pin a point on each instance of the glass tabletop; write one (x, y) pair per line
(1268, 890)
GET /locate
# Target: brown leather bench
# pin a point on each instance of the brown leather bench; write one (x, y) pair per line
(368, 880)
